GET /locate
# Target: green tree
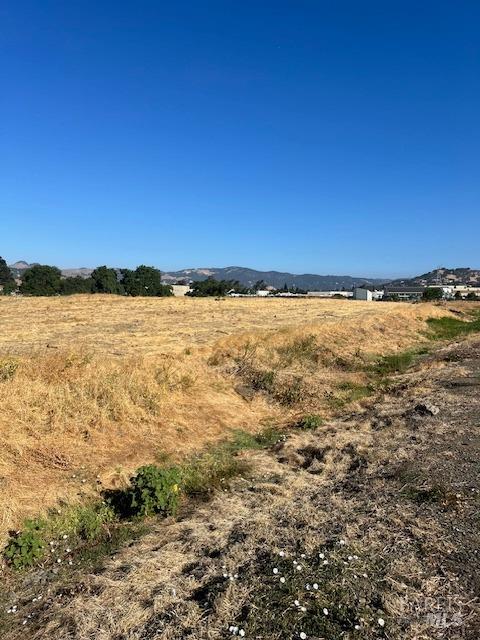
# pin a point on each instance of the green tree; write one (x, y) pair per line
(432, 293)
(76, 284)
(7, 281)
(259, 285)
(217, 288)
(471, 295)
(105, 281)
(41, 280)
(144, 281)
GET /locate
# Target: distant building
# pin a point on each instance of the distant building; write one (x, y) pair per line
(329, 294)
(458, 290)
(180, 290)
(262, 293)
(403, 293)
(367, 293)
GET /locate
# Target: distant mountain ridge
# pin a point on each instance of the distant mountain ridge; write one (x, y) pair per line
(19, 267)
(277, 279)
(248, 277)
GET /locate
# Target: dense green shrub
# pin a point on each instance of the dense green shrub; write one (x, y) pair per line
(155, 490)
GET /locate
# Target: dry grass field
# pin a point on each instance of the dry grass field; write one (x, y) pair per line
(363, 529)
(91, 387)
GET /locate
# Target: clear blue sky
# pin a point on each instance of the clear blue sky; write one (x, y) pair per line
(309, 136)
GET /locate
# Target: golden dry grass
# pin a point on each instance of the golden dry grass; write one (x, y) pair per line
(338, 491)
(97, 385)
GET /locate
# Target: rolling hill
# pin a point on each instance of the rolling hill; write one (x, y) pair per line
(249, 277)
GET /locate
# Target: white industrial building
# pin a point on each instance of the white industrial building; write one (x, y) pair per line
(367, 294)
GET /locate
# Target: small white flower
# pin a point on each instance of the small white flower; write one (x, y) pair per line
(381, 622)
(303, 609)
(303, 555)
(325, 562)
(225, 575)
(350, 558)
(64, 536)
(315, 585)
(235, 575)
(241, 633)
(59, 560)
(281, 553)
(303, 635)
(295, 562)
(364, 575)
(325, 611)
(296, 603)
(282, 580)
(275, 570)
(307, 587)
(357, 627)
(321, 556)
(342, 542)
(68, 549)
(299, 567)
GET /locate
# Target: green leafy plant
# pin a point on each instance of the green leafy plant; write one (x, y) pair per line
(155, 490)
(24, 549)
(310, 421)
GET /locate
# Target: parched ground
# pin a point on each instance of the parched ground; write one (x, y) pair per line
(96, 386)
(378, 509)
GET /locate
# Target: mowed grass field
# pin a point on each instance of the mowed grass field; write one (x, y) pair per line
(91, 387)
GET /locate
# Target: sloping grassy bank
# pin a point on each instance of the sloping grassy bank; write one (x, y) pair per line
(77, 533)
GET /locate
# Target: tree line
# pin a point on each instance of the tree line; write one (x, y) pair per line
(45, 280)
